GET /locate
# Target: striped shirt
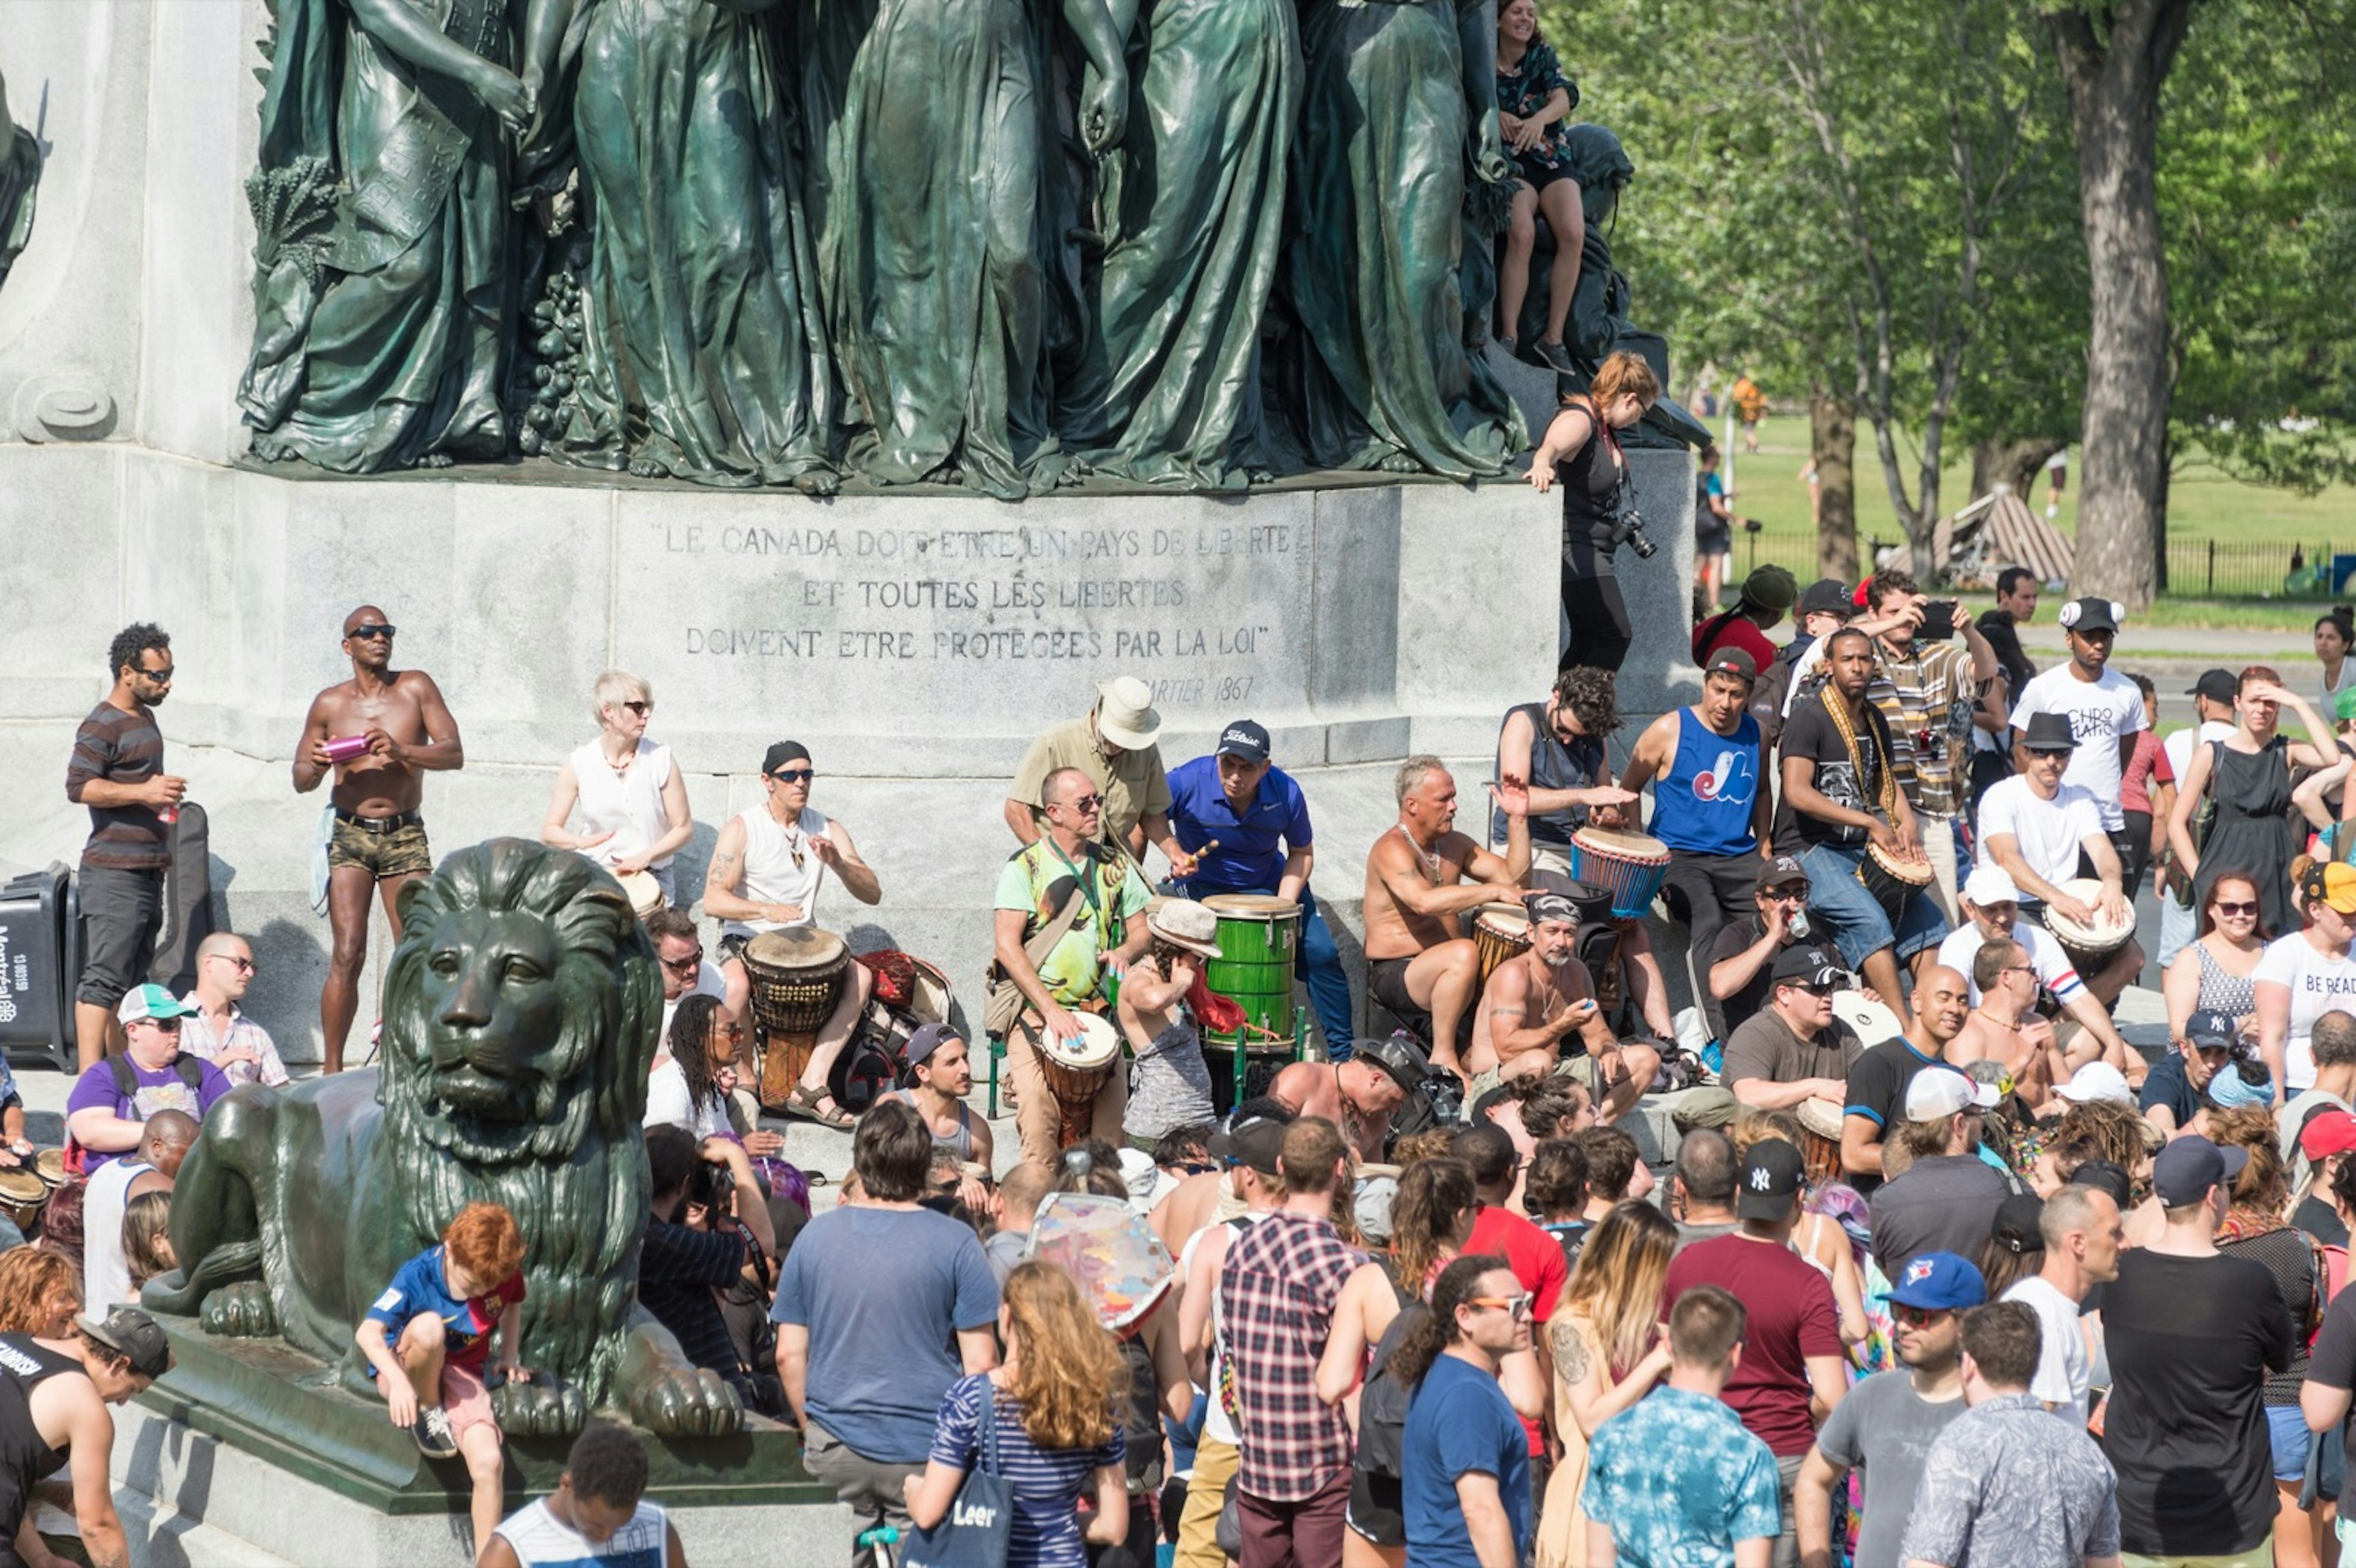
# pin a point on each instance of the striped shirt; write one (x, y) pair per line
(197, 1037)
(1928, 699)
(125, 749)
(540, 1539)
(1047, 1483)
(1277, 1293)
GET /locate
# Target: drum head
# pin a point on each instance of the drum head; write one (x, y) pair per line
(1252, 906)
(1822, 1117)
(646, 893)
(21, 1187)
(1098, 1045)
(800, 947)
(2086, 938)
(50, 1164)
(1505, 920)
(1627, 845)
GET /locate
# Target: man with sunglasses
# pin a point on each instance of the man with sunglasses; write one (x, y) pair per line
(1793, 1048)
(686, 972)
(1466, 1481)
(117, 773)
(1991, 904)
(217, 1027)
(1115, 747)
(380, 733)
(766, 870)
(1742, 958)
(108, 1111)
(2038, 827)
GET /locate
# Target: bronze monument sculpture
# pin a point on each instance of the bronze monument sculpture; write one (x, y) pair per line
(20, 170)
(521, 1015)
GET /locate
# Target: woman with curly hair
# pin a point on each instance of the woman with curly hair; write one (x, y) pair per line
(688, 1084)
(1607, 1349)
(1054, 1407)
(41, 1292)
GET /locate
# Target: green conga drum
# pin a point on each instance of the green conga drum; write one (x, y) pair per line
(1259, 945)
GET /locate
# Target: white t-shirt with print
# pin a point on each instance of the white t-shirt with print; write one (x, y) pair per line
(2099, 711)
(2319, 982)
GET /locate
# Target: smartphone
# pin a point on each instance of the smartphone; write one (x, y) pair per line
(1938, 622)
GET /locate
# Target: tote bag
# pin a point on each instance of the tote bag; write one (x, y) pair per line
(981, 1521)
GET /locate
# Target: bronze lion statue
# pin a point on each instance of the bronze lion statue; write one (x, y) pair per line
(521, 1010)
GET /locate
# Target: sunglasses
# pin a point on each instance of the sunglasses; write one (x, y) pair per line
(1087, 803)
(1195, 1166)
(1519, 1306)
(160, 677)
(245, 965)
(369, 631)
(687, 966)
(794, 775)
(169, 1026)
(729, 1031)
(1788, 895)
(2250, 910)
(1917, 1317)
(2018, 970)
(639, 706)
(1811, 988)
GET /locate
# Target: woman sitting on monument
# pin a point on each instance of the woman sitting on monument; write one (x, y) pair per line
(633, 798)
(1535, 99)
(1581, 450)
(690, 1083)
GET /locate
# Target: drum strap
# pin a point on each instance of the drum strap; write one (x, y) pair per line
(1837, 705)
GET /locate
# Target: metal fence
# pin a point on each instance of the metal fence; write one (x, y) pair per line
(2197, 568)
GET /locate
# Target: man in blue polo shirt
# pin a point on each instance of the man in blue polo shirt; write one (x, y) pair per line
(1248, 824)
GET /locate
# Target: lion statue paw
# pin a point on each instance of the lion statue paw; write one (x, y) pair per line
(687, 1402)
(544, 1407)
(239, 1311)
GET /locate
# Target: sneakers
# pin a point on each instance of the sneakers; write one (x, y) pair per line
(1556, 356)
(432, 1430)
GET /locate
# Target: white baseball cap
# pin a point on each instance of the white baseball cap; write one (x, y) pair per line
(2097, 1080)
(1991, 884)
(1938, 1092)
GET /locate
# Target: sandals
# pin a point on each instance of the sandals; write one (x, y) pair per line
(803, 1103)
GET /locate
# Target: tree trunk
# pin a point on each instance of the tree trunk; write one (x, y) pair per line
(2016, 463)
(2114, 79)
(1832, 440)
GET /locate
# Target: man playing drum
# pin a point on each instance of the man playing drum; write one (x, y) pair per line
(1841, 800)
(1244, 823)
(1357, 1095)
(1712, 804)
(1536, 1001)
(2039, 828)
(1103, 932)
(1793, 1048)
(764, 876)
(1992, 913)
(1420, 877)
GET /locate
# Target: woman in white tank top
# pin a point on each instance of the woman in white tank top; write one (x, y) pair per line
(633, 801)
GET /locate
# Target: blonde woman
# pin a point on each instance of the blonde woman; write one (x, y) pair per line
(1607, 1351)
(1056, 1403)
(633, 800)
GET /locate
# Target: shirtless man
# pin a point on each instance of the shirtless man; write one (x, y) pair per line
(380, 839)
(1357, 1095)
(2007, 1028)
(1536, 1001)
(1418, 958)
(53, 1408)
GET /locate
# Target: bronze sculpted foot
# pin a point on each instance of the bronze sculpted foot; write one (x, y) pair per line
(544, 1407)
(239, 1311)
(666, 1394)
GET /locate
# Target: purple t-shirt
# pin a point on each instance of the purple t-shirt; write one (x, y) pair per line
(161, 1089)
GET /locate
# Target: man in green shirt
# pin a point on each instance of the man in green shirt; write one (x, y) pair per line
(1069, 862)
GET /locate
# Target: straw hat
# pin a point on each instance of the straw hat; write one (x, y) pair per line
(1184, 923)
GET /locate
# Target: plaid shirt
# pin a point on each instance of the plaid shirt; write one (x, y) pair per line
(1277, 1292)
(198, 1039)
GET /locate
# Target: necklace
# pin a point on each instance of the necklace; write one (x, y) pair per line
(1430, 858)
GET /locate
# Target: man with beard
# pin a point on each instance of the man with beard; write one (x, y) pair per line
(2039, 827)
(2104, 708)
(2004, 1026)
(1536, 1001)
(1840, 799)
(1359, 1095)
(1421, 877)
(380, 733)
(1991, 903)
(1883, 1429)
(1879, 1080)
(117, 772)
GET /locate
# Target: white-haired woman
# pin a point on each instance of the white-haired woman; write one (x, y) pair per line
(633, 801)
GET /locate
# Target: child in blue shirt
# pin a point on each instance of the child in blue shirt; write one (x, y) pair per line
(429, 1338)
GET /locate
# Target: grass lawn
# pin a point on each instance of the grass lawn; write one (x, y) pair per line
(2204, 505)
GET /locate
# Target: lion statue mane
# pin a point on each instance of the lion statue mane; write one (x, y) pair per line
(521, 1013)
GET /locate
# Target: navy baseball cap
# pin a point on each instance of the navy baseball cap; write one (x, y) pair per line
(1939, 1282)
(2187, 1169)
(1772, 1174)
(1246, 740)
(2210, 1030)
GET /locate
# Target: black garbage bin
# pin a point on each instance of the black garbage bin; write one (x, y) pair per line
(40, 961)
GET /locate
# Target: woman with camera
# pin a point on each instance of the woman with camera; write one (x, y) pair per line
(1581, 451)
(707, 1237)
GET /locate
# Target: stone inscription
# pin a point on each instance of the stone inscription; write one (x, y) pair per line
(1201, 603)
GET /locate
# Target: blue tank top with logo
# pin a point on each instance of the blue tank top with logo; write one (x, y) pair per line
(1703, 806)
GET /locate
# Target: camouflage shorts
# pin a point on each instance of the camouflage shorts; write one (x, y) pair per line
(391, 852)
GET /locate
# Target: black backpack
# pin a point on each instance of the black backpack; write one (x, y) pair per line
(1382, 1403)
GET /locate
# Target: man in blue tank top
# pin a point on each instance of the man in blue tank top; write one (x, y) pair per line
(1713, 804)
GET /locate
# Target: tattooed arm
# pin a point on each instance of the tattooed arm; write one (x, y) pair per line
(1579, 1361)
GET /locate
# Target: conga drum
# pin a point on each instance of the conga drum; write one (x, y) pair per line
(1894, 882)
(1631, 867)
(22, 1194)
(796, 978)
(1076, 1070)
(1820, 1137)
(49, 1165)
(1500, 933)
(646, 892)
(2090, 947)
(1259, 947)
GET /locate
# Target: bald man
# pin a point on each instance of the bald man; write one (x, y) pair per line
(1876, 1101)
(218, 1029)
(153, 1166)
(380, 733)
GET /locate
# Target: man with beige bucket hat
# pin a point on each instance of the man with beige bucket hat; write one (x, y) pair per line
(1115, 746)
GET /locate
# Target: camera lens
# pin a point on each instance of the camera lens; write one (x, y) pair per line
(1642, 543)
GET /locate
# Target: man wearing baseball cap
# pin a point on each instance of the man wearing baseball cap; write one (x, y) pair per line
(1246, 823)
(939, 1068)
(2324, 1144)
(1991, 907)
(1712, 802)
(1947, 1197)
(1742, 957)
(1825, 607)
(2193, 1333)
(1793, 1048)
(1792, 1362)
(2104, 708)
(61, 1389)
(111, 1103)
(2174, 1092)
(1882, 1430)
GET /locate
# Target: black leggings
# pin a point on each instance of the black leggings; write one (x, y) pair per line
(1600, 633)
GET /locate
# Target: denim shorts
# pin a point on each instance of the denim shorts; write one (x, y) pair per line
(2286, 1426)
(1855, 917)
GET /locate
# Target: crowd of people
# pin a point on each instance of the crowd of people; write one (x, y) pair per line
(1992, 1290)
